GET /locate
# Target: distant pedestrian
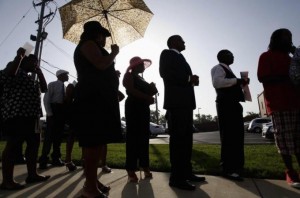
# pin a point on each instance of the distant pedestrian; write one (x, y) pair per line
(137, 112)
(54, 102)
(282, 100)
(179, 101)
(230, 115)
(68, 101)
(21, 111)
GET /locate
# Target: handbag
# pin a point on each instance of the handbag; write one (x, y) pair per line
(294, 70)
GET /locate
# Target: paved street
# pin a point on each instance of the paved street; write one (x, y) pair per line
(214, 138)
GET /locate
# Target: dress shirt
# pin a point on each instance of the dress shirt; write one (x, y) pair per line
(175, 50)
(218, 77)
(55, 94)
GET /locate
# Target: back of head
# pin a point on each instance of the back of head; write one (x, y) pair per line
(172, 41)
(222, 55)
(92, 29)
(281, 40)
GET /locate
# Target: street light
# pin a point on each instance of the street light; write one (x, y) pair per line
(199, 114)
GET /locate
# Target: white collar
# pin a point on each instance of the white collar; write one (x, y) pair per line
(223, 64)
(175, 50)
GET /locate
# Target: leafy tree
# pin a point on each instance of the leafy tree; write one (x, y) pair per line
(250, 116)
(153, 118)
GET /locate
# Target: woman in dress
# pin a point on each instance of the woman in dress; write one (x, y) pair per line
(97, 114)
(137, 113)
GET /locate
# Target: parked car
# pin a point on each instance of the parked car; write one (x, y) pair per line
(156, 129)
(195, 129)
(255, 125)
(246, 125)
(268, 131)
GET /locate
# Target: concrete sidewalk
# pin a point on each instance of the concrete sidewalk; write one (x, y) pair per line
(64, 184)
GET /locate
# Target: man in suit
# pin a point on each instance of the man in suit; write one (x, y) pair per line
(230, 115)
(179, 102)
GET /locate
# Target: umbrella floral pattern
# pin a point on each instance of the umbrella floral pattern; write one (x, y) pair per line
(127, 20)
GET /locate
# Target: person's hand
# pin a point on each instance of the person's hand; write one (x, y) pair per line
(21, 52)
(118, 73)
(153, 88)
(121, 96)
(243, 81)
(115, 49)
(194, 79)
(150, 100)
(292, 49)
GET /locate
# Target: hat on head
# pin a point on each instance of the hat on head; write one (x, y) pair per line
(137, 61)
(95, 26)
(61, 71)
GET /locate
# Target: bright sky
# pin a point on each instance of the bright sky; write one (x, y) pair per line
(242, 26)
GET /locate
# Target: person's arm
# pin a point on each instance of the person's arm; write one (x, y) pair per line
(12, 67)
(91, 51)
(69, 93)
(42, 80)
(121, 96)
(219, 79)
(129, 85)
(47, 102)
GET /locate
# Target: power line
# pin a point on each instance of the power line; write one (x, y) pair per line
(53, 66)
(15, 27)
(60, 49)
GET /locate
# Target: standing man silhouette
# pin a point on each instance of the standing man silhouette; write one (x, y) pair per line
(230, 115)
(56, 115)
(179, 102)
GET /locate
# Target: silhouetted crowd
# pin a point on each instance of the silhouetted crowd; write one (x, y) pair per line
(90, 108)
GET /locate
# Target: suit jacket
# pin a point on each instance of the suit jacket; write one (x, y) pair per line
(175, 71)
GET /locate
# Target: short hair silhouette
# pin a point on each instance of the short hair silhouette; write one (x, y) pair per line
(222, 54)
(172, 40)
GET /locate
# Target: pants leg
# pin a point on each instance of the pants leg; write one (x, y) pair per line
(58, 129)
(48, 139)
(232, 136)
(57, 138)
(181, 141)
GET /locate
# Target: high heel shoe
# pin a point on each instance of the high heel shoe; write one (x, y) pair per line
(132, 177)
(147, 173)
(106, 169)
(71, 166)
(103, 188)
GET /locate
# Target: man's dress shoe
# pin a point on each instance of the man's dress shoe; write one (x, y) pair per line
(183, 185)
(195, 178)
(233, 176)
(58, 162)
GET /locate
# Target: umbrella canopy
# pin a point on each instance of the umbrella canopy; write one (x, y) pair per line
(127, 20)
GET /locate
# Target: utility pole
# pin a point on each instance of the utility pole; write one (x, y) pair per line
(199, 114)
(157, 121)
(41, 34)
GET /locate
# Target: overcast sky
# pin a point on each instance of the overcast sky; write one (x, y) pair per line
(242, 26)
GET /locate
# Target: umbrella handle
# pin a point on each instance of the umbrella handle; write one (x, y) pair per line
(105, 12)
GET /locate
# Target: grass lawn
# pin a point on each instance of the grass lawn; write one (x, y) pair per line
(261, 161)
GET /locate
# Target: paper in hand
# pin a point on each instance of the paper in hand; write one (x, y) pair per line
(28, 47)
(245, 88)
